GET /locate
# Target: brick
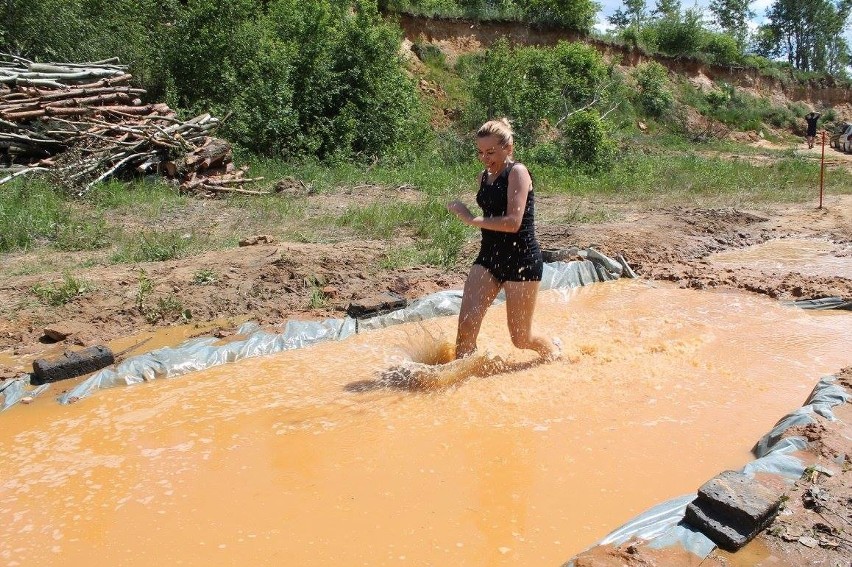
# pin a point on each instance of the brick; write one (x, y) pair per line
(732, 508)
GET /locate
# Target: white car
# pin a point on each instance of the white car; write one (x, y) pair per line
(844, 144)
(835, 135)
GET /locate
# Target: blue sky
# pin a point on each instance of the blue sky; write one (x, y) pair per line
(610, 6)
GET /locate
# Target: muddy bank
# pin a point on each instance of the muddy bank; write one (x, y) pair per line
(273, 281)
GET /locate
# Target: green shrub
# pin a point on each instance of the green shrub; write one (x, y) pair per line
(586, 141)
(679, 33)
(204, 276)
(722, 47)
(653, 94)
(630, 36)
(799, 109)
(577, 15)
(429, 53)
(545, 153)
(453, 147)
(556, 80)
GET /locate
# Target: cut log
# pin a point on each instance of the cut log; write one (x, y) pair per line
(71, 364)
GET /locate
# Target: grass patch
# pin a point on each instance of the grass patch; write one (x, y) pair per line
(427, 175)
(205, 276)
(380, 220)
(654, 170)
(401, 257)
(67, 291)
(155, 247)
(316, 297)
(269, 213)
(29, 212)
(439, 235)
(161, 308)
(679, 178)
(32, 213)
(580, 213)
(150, 197)
(83, 233)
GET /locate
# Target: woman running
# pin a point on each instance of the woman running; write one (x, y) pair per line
(509, 255)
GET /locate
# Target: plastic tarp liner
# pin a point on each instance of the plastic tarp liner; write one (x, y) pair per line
(434, 305)
(203, 353)
(199, 354)
(822, 303)
(556, 275)
(825, 395)
(13, 391)
(662, 526)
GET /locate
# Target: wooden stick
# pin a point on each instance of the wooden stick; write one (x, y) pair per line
(223, 182)
(22, 172)
(219, 189)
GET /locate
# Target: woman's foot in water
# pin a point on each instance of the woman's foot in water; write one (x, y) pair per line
(556, 352)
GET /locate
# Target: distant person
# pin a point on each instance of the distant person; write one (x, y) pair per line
(509, 255)
(811, 118)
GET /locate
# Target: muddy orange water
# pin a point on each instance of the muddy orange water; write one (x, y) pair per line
(811, 257)
(301, 458)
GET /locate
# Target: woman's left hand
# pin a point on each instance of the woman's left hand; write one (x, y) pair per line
(460, 210)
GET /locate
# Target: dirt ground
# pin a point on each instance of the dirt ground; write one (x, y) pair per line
(270, 281)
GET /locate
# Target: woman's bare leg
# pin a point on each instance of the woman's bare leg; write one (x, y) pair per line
(520, 305)
(480, 289)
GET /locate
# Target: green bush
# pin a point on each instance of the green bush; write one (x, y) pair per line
(779, 117)
(721, 47)
(545, 153)
(555, 81)
(653, 94)
(297, 78)
(429, 53)
(678, 34)
(586, 142)
(577, 15)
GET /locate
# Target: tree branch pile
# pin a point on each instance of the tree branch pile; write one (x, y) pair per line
(85, 123)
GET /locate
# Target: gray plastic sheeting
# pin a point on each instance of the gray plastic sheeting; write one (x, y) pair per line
(822, 303)
(13, 391)
(556, 275)
(662, 526)
(200, 354)
(203, 353)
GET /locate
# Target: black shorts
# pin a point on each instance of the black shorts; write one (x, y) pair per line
(506, 268)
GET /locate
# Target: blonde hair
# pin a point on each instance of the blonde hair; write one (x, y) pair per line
(500, 129)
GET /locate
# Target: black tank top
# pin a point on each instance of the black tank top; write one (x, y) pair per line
(493, 198)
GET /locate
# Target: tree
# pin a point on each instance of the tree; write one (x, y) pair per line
(578, 15)
(678, 33)
(732, 17)
(666, 8)
(808, 33)
(635, 11)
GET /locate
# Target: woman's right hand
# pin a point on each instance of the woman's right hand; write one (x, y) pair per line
(460, 210)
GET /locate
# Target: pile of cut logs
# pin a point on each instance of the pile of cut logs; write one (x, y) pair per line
(84, 123)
